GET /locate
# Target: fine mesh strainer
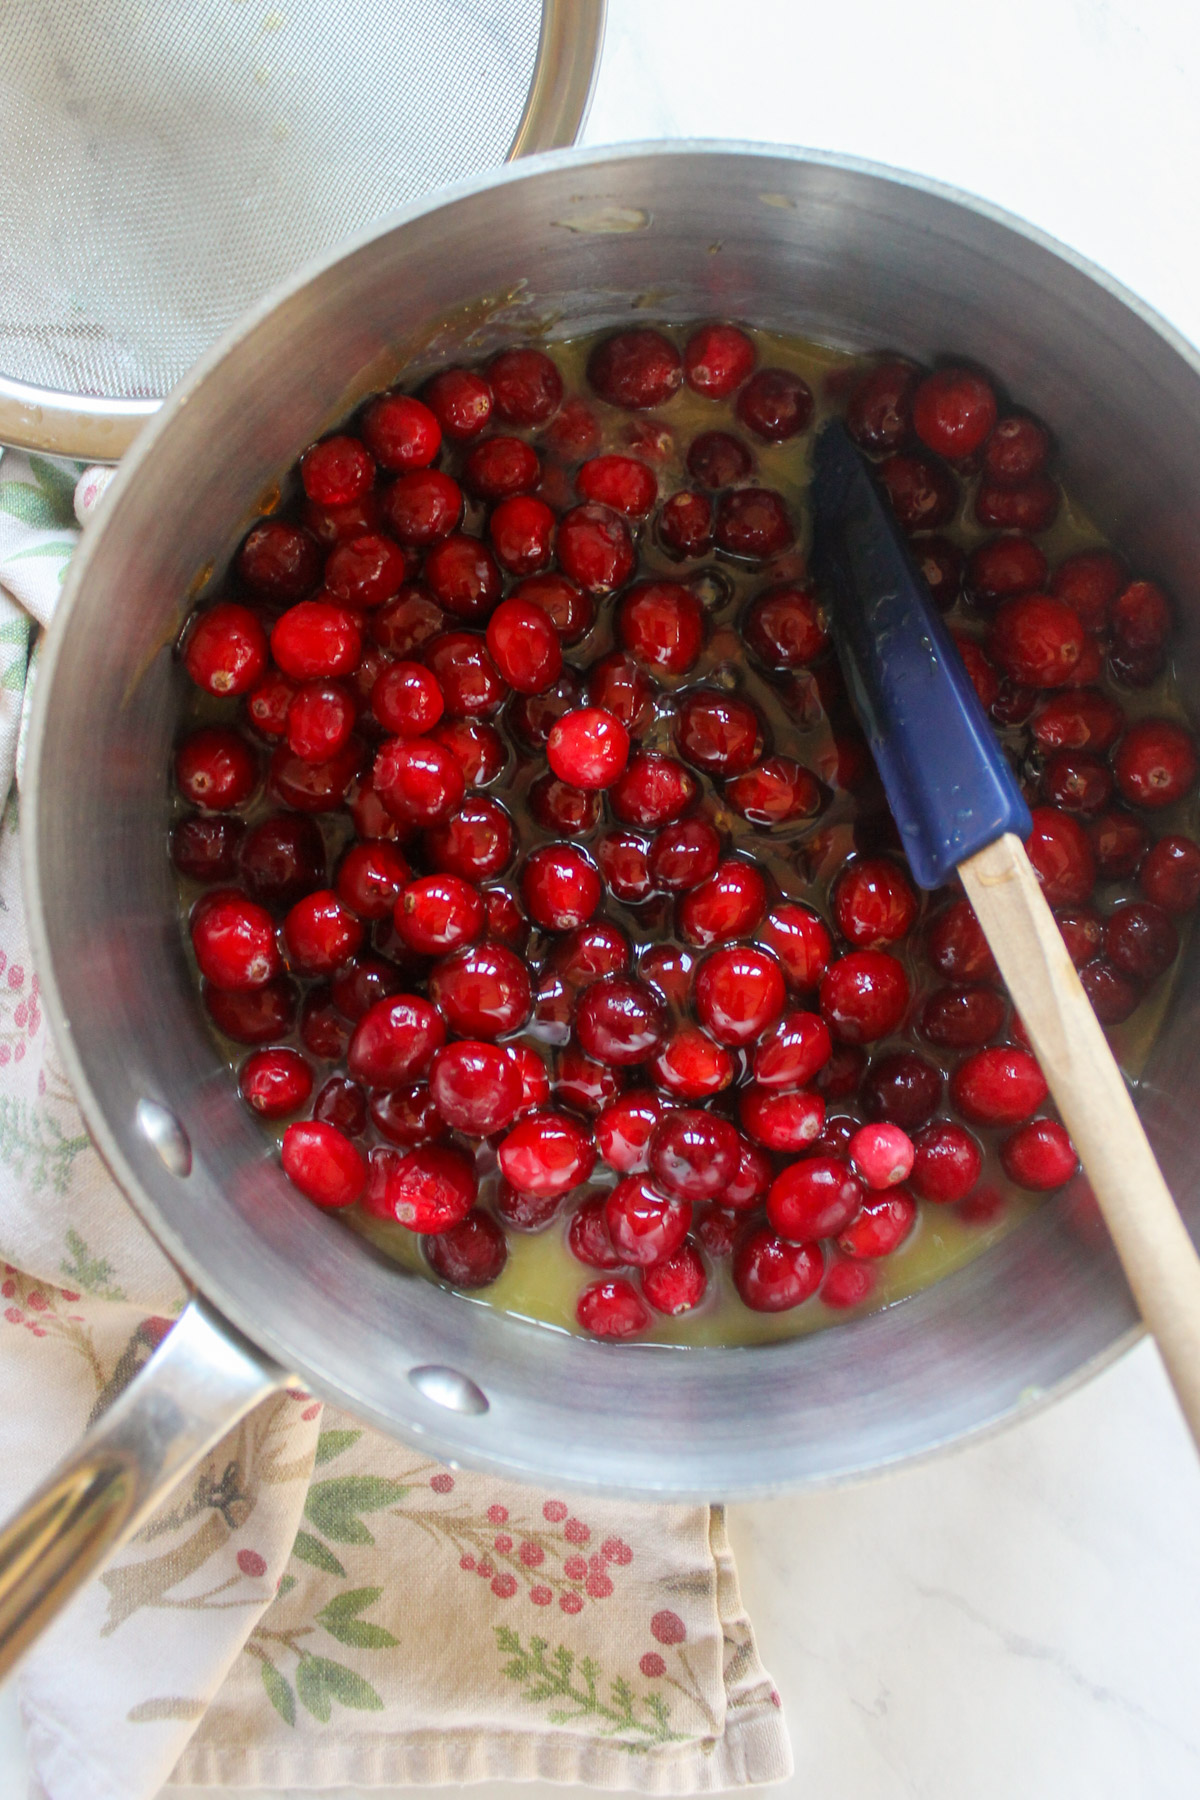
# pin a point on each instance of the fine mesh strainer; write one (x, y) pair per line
(162, 165)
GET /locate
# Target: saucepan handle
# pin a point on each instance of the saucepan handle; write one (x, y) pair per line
(197, 1385)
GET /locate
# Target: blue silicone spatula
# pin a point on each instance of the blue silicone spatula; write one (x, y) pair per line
(958, 807)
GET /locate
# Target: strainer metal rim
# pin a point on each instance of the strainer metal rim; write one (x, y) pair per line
(98, 429)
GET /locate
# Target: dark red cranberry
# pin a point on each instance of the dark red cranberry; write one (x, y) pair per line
(1089, 582)
(476, 1088)
(279, 563)
(546, 1153)
(1140, 619)
(227, 649)
(620, 482)
(342, 1103)
(205, 849)
(624, 1130)
(923, 493)
(257, 1016)
(1077, 782)
(482, 991)
(1037, 640)
(1114, 996)
(401, 432)
(525, 1212)
(772, 1275)
(470, 682)
(583, 1084)
(216, 768)
(522, 531)
(591, 952)
(693, 1155)
(573, 432)
(595, 549)
(504, 918)
(1062, 857)
(419, 781)
(461, 401)
(903, 1089)
(1082, 932)
(691, 1066)
(753, 522)
(1082, 720)
(1141, 940)
(1032, 507)
(406, 699)
(407, 621)
(234, 941)
(775, 404)
(864, 996)
(439, 913)
(315, 639)
(941, 564)
(653, 790)
(947, 1162)
(645, 1225)
(1119, 844)
(612, 1309)
(477, 843)
(526, 387)
(407, 1115)
(326, 1167)
(534, 716)
(274, 1083)
(313, 787)
(588, 748)
(525, 646)
(333, 525)
(569, 610)
(501, 466)
(1170, 875)
(429, 1189)
(718, 733)
(1018, 449)
(477, 748)
(962, 1018)
(998, 1086)
(635, 369)
(786, 628)
(953, 412)
(1039, 1156)
(879, 410)
(677, 1283)
(337, 471)
(463, 575)
(957, 946)
(801, 941)
(882, 1225)
(359, 983)
(730, 904)
(777, 792)
(620, 1021)
(685, 524)
(1155, 763)
(267, 704)
(618, 686)
(395, 1041)
(670, 970)
(717, 460)
(323, 1029)
(1003, 567)
(662, 624)
(588, 1239)
(623, 863)
(843, 1072)
(423, 507)
(873, 903)
(684, 854)
(558, 807)
(321, 934)
(470, 1254)
(717, 359)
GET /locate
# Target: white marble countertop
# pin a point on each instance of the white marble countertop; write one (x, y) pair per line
(1021, 1617)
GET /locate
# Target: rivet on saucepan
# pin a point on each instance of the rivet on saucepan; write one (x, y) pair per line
(160, 1127)
(446, 1387)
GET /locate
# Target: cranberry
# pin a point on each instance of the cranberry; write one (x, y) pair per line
(691, 1066)
(439, 913)
(1141, 622)
(1170, 875)
(620, 1021)
(962, 1018)
(477, 843)
(847, 1283)
(1039, 1156)
(337, 471)
(429, 1189)
(1061, 856)
(401, 433)
(461, 401)
(677, 1283)
(595, 549)
(717, 460)
(475, 1087)
(1082, 932)
(777, 792)
(873, 903)
(526, 387)
(753, 522)
(843, 1072)
(323, 1029)
(801, 941)
(882, 1225)
(316, 638)
(1089, 582)
(1037, 640)
(791, 1053)
(623, 864)
(789, 1122)
(471, 1254)
(1018, 449)
(419, 781)
(358, 984)
(407, 699)
(524, 646)
(522, 530)
(617, 685)
(683, 855)
(786, 628)
(653, 790)
(772, 1275)
(719, 734)
(588, 1239)
(257, 1016)
(546, 1153)
(940, 563)
(1155, 763)
(903, 1089)
(879, 410)
(747, 1188)
(864, 996)
(1032, 507)
(581, 1083)
(216, 768)
(662, 624)
(635, 369)
(321, 934)
(670, 970)
(1114, 996)
(685, 523)
(612, 1309)
(323, 1164)
(525, 1212)
(482, 990)
(504, 918)
(342, 1103)
(1077, 782)
(407, 1115)
(279, 563)
(569, 610)
(226, 650)
(205, 849)
(620, 482)
(730, 904)
(1003, 567)
(947, 1162)
(560, 887)
(500, 467)
(573, 432)
(923, 493)
(624, 1130)
(1000, 1086)
(313, 787)
(319, 721)
(281, 859)
(882, 1155)
(982, 672)
(957, 946)
(395, 1041)
(267, 704)
(953, 412)
(560, 808)
(645, 1226)
(333, 525)
(717, 359)
(588, 748)
(1119, 843)
(407, 621)
(534, 716)
(775, 404)
(274, 1083)
(1083, 720)
(234, 941)
(1141, 940)
(590, 953)
(423, 507)
(693, 1155)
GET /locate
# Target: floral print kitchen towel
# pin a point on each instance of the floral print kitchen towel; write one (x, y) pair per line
(316, 1606)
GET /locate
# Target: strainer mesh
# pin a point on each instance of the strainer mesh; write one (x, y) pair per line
(161, 165)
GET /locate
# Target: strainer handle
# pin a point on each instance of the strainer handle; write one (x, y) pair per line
(198, 1384)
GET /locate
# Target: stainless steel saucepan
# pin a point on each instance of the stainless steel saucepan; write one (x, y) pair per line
(834, 250)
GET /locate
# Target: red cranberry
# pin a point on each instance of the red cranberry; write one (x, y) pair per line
(319, 721)
(747, 1188)
(323, 1030)
(534, 716)
(612, 1309)
(279, 563)
(617, 685)
(1018, 449)
(1083, 720)
(962, 1018)
(326, 1167)
(588, 748)
(1003, 567)
(1089, 582)
(423, 507)
(1077, 782)
(321, 934)
(1061, 856)
(683, 855)
(281, 859)
(1119, 843)
(546, 1153)
(620, 482)
(662, 624)
(847, 1283)
(620, 1021)
(1037, 640)
(216, 768)
(525, 1212)
(256, 1016)
(677, 1284)
(227, 650)
(1032, 507)
(879, 410)
(267, 704)
(475, 1087)
(1170, 875)
(643, 1225)
(463, 575)
(500, 467)
(588, 1239)
(590, 953)
(670, 970)
(342, 1103)
(730, 904)
(1039, 1156)
(358, 984)
(786, 628)
(524, 646)
(504, 919)
(1155, 763)
(787, 1122)
(623, 864)
(315, 639)
(470, 1254)
(407, 621)
(791, 1053)
(923, 493)
(685, 524)
(984, 678)
(843, 1072)
(407, 700)
(337, 471)
(693, 1155)
(333, 525)
(717, 460)
(947, 1162)
(526, 386)
(461, 401)
(1114, 996)
(581, 1083)
(418, 781)
(313, 787)
(429, 1189)
(717, 359)
(1000, 1086)
(777, 792)
(624, 1130)
(482, 991)
(595, 549)
(477, 843)
(635, 369)
(1082, 932)
(234, 941)
(1141, 621)
(407, 1115)
(653, 790)
(882, 1155)
(573, 432)
(560, 887)
(903, 1089)
(401, 433)
(1141, 940)
(719, 734)
(873, 903)
(953, 412)
(477, 749)
(753, 522)
(205, 849)
(522, 531)
(691, 1066)
(439, 913)
(772, 1275)
(957, 946)
(558, 807)
(864, 996)
(881, 1226)
(775, 404)
(394, 1041)
(802, 943)
(274, 1083)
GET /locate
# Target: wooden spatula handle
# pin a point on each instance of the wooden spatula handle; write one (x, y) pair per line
(1151, 1239)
